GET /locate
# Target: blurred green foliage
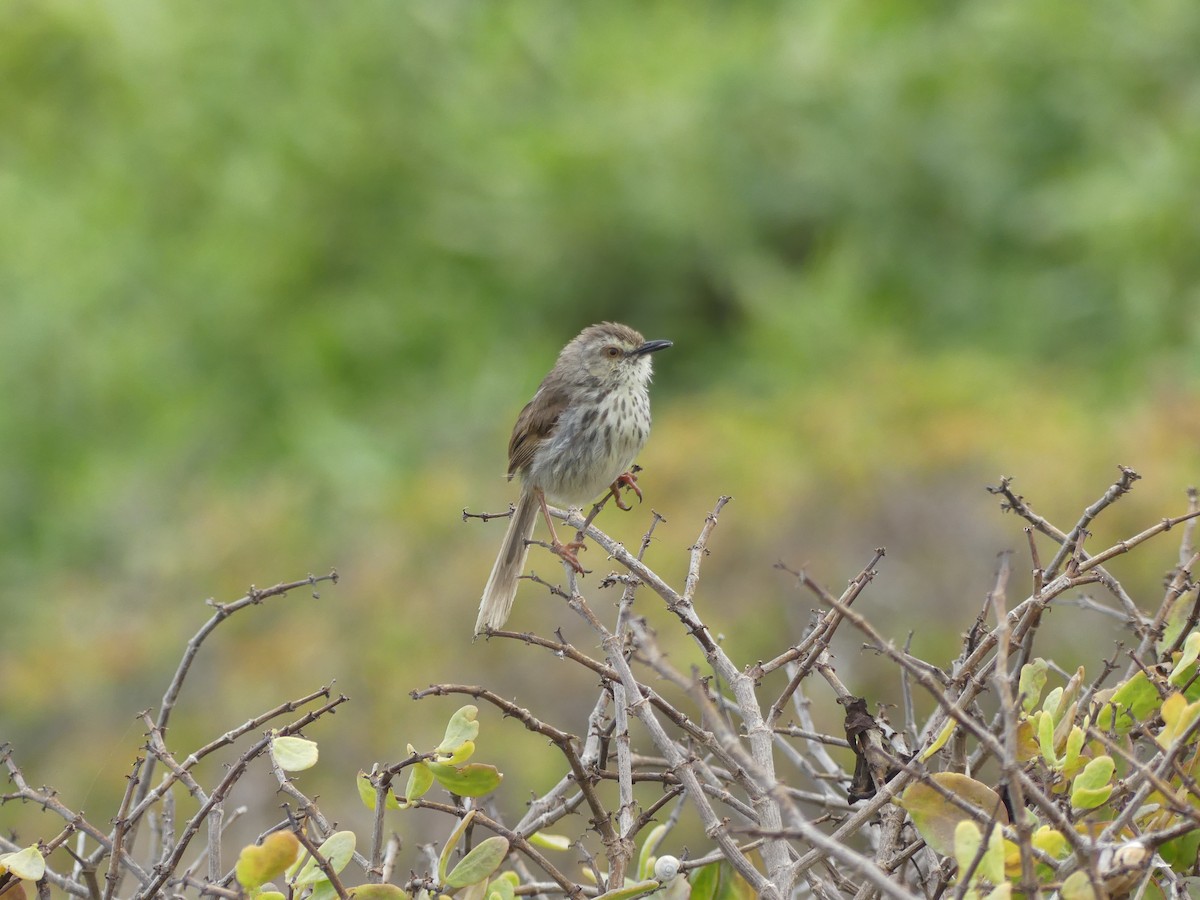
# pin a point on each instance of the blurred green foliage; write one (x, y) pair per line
(277, 277)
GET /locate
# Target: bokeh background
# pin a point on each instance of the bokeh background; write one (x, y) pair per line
(277, 278)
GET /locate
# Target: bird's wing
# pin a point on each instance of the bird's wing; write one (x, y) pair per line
(534, 425)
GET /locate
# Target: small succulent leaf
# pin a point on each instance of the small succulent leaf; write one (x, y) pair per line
(259, 863)
(991, 867)
(548, 841)
(1046, 739)
(1074, 744)
(1179, 716)
(967, 841)
(484, 859)
(462, 727)
(293, 754)
(1051, 841)
(452, 842)
(1050, 704)
(501, 889)
(1092, 787)
(460, 755)
(628, 891)
(1184, 668)
(649, 847)
(420, 780)
(366, 790)
(1077, 887)
(337, 850)
(704, 881)
(1032, 683)
(940, 742)
(377, 892)
(1127, 704)
(471, 780)
(27, 864)
(936, 817)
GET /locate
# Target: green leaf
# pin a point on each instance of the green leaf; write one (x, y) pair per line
(1077, 887)
(337, 849)
(480, 863)
(550, 841)
(649, 847)
(461, 728)
(1092, 786)
(704, 881)
(1179, 716)
(420, 780)
(1045, 723)
(638, 889)
(1132, 702)
(451, 842)
(1032, 683)
(501, 889)
(366, 790)
(258, 864)
(967, 841)
(1051, 703)
(1185, 666)
(293, 754)
(1074, 745)
(472, 780)
(27, 864)
(936, 817)
(377, 892)
(940, 742)
(464, 752)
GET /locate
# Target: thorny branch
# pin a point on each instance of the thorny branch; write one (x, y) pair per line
(786, 808)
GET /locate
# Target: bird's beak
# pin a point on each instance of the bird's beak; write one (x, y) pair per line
(651, 347)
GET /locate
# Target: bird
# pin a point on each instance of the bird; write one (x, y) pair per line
(576, 439)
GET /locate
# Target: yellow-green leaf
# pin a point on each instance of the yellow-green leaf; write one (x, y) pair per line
(420, 780)
(1051, 841)
(649, 848)
(1032, 683)
(1179, 716)
(1045, 727)
(27, 864)
(480, 863)
(1074, 744)
(1184, 667)
(628, 891)
(1132, 701)
(936, 817)
(460, 755)
(293, 754)
(337, 849)
(462, 727)
(377, 892)
(940, 741)
(1077, 887)
(550, 841)
(472, 780)
(1092, 786)
(259, 863)
(501, 889)
(967, 841)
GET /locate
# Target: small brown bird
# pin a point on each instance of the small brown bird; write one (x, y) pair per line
(574, 440)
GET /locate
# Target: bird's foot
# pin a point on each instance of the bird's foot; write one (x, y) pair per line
(567, 552)
(629, 482)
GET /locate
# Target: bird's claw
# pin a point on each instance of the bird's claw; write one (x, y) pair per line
(567, 553)
(629, 481)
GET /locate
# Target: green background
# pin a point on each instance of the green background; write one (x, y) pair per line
(277, 278)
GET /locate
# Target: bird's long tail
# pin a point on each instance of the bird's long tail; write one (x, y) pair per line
(502, 584)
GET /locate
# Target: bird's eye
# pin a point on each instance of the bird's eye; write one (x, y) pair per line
(612, 352)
